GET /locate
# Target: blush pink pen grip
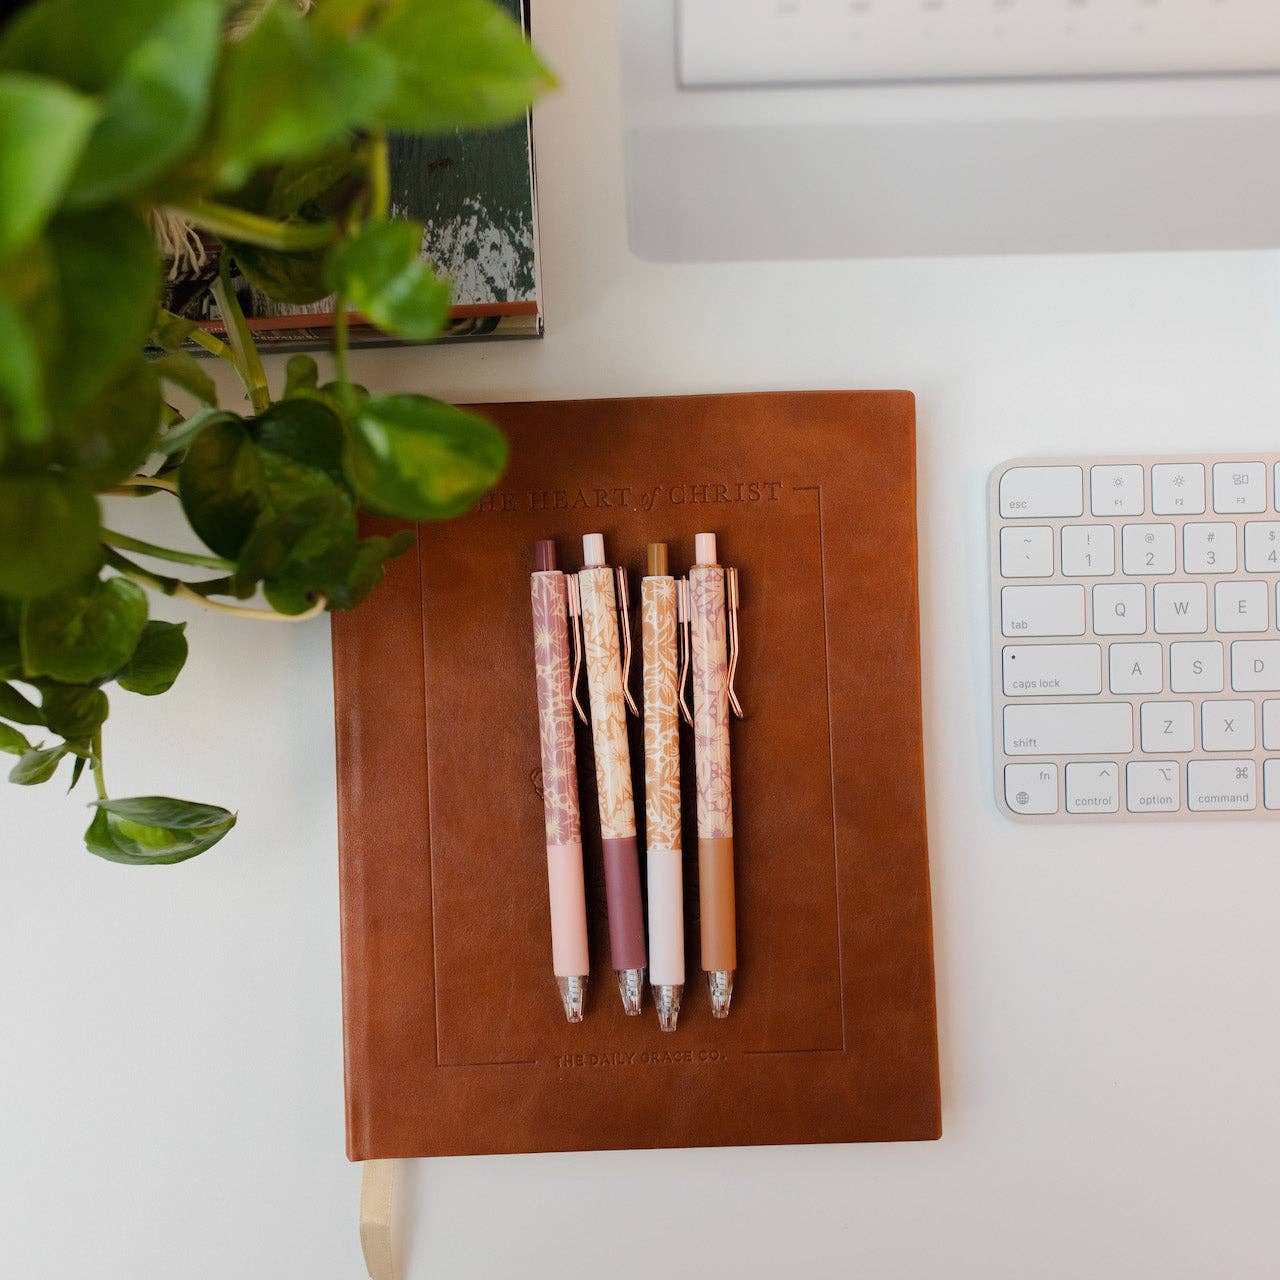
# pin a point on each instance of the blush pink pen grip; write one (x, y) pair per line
(554, 606)
(609, 702)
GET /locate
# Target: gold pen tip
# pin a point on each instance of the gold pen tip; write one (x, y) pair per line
(658, 560)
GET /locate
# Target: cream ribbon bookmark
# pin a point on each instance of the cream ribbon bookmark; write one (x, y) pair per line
(376, 1187)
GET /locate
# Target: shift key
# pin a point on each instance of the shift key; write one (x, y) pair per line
(1068, 729)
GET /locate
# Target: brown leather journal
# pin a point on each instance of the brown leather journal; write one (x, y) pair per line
(455, 1040)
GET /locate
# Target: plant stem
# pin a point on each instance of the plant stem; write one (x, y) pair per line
(195, 592)
(99, 779)
(248, 361)
(215, 346)
(147, 482)
(340, 338)
(379, 175)
(184, 592)
(111, 538)
(228, 223)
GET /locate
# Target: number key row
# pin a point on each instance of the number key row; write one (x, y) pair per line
(1147, 550)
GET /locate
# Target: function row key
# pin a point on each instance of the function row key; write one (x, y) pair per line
(1119, 489)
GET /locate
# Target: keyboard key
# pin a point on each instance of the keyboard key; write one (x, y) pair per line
(1136, 668)
(1271, 784)
(1221, 786)
(1116, 491)
(1262, 546)
(1151, 786)
(1239, 487)
(1049, 670)
(1042, 611)
(1031, 788)
(1208, 547)
(1167, 726)
(1068, 729)
(1271, 725)
(1240, 606)
(1026, 551)
(1120, 609)
(1093, 788)
(1255, 665)
(1147, 548)
(1195, 666)
(1177, 488)
(1227, 726)
(1041, 492)
(1088, 550)
(1181, 608)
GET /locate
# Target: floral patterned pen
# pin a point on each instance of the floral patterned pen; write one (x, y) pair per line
(554, 597)
(659, 631)
(610, 700)
(712, 695)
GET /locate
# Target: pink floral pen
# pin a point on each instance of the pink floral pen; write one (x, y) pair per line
(555, 602)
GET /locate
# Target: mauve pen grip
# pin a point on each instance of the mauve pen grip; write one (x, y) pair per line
(613, 767)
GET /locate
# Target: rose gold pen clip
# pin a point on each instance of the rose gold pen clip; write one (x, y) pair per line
(575, 628)
(731, 599)
(684, 644)
(624, 609)
(685, 638)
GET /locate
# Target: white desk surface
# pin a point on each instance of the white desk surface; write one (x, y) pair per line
(171, 1064)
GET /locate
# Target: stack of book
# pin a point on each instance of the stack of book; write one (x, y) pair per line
(474, 191)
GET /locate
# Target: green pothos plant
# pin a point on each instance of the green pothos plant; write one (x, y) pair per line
(260, 128)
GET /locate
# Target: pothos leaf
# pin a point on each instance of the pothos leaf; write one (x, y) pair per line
(160, 656)
(85, 632)
(381, 273)
(74, 712)
(17, 707)
(421, 459)
(37, 765)
(48, 533)
(43, 128)
(155, 830)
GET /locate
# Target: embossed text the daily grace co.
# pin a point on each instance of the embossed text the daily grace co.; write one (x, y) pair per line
(640, 1058)
(631, 497)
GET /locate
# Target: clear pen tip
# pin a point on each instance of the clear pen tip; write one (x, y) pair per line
(666, 1000)
(721, 983)
(631, 989)
(573, 992)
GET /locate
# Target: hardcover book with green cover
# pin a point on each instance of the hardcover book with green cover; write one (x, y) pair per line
(474, 192)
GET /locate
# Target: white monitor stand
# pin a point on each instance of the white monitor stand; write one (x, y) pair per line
(794, 128)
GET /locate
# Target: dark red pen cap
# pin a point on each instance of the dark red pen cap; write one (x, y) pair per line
(544, 555)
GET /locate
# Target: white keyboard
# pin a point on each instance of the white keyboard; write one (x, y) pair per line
(1135, 637)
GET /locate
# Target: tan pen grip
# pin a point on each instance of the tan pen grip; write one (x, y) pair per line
(715, 903)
